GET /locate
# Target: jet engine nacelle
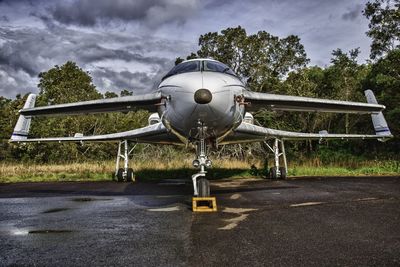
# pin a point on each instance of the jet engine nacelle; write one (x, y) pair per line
(154, 118)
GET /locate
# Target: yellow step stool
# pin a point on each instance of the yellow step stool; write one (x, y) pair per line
(204, 204)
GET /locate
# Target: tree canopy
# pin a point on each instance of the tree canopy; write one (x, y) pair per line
(260, 59)
(64, 84)
(384, 26)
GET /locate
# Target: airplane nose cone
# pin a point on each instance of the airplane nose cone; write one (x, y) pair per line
(202, 96)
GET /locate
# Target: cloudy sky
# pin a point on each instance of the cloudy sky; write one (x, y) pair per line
(130, 44)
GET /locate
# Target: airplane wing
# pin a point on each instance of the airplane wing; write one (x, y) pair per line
(156, 133)
(126, 103)
(296, 103)
(247, 133)
(152, 134)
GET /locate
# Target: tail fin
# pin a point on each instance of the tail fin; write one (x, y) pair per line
(21, 129)
(380, 125)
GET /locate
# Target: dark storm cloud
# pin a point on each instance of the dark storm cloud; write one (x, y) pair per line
(25, 52)
(136, 81)
(152, 12)
(13, 82)
(353, 13)
(4, 18)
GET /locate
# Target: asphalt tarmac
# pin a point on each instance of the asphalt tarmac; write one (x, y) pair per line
(302, 222)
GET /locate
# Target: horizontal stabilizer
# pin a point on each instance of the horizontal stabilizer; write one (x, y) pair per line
(21, 129)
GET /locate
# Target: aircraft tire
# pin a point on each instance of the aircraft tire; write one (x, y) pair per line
(120, 177)
(203, 186)
(283, 172)
(273, 173)
(129, 175)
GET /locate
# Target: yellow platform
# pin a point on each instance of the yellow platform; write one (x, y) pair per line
(204, 204)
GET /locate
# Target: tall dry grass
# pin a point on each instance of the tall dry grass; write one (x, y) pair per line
(182, 167)
(10, 172)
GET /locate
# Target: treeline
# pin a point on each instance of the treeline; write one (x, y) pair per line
(265, 63)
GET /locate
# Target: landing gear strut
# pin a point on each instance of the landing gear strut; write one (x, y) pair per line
(201, 186)
(124, 174)
(278, 172)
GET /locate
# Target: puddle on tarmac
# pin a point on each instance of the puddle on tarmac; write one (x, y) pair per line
(88, 199)
(55, 210)
(49, 231)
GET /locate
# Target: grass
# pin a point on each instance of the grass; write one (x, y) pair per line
(155, 170)
(102, 171)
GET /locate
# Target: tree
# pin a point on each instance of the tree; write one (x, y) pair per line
(65, 84)
(109, 94)
(384, 80)
(345, 79)
(384, 25)
(126, 92)
(260, 59)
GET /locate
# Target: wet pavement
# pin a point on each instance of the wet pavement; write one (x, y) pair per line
(302, 222)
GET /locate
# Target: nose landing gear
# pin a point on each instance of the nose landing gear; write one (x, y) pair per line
(201, 186)
(202, 202)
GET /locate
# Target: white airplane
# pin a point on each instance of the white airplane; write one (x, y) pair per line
(202, 102)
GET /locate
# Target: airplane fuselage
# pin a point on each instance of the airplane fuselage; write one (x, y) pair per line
(216, 107)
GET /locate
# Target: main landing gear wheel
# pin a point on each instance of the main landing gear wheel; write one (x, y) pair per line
(124, 174)
(203, 186)
(283, 172)
(129, 175)
(120, 175)
(273, 174)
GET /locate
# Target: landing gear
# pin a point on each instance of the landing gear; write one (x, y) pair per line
(201, 186)
(278, 172)
(129, 175)
(202, 202)
(273, 173)
(124, 174)
(282, 170)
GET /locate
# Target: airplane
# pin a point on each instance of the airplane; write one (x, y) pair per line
(202, 103)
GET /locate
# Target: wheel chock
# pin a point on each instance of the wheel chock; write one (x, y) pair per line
(204, 204)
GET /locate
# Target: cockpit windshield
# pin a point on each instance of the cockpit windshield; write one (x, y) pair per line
(184, 67)
(199, 65)
(216, 66)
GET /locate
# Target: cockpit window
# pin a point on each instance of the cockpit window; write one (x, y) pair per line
(197, 65)
(217, 67)
(184, 67)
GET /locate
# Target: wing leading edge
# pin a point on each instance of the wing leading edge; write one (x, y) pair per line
(297, 103)
(247, 133)
(124, 104)
(152, 134)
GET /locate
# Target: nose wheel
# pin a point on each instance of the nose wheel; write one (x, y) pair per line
(201, 186)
